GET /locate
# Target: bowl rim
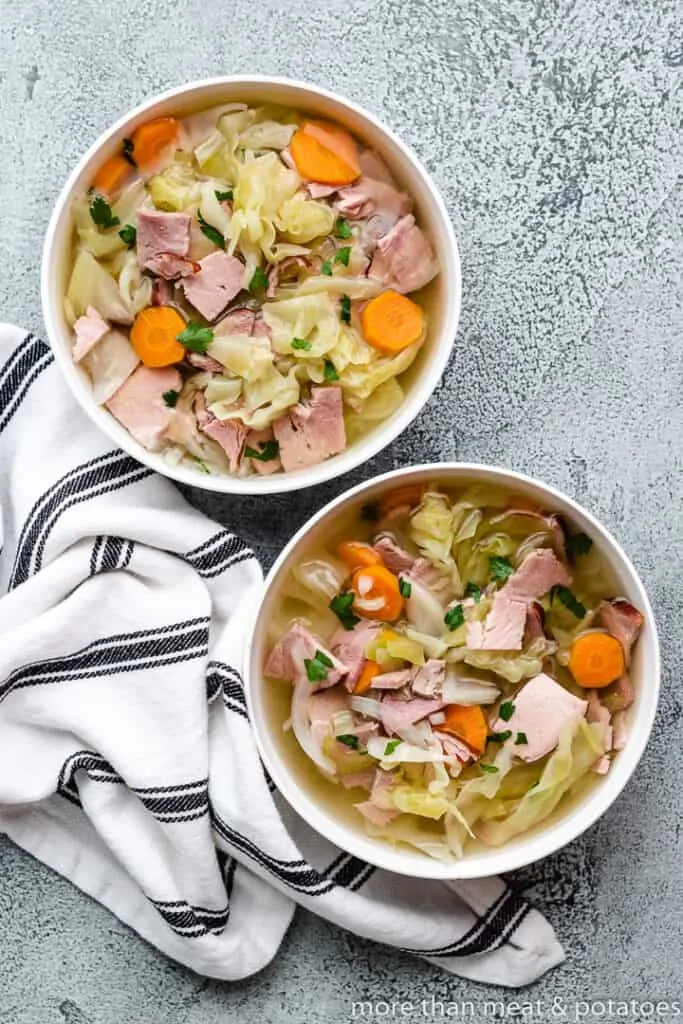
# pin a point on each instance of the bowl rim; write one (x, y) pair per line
(587, 810)
(358, 452)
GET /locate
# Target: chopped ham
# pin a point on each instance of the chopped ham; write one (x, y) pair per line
(139, 405)
(237, 321)
(218, 281)
(365, 731)
(429, 576)
(376, 202)
(392, 680)
(376, 815)
(162, 292)
(602, 765)
(397, 714)
(539, 572)
(312, 430)
(382, 786)
(350, 645)
(317, 190)
(286, 660)
(286, 270)
(159, 232)
(504, 626)
(404, 259)
(231, 435)
(542, 709)
(598, 713)
(171, 267)
(396, 558)
(202, 361)
(453, 747)
(256, 438)
(89, 330)
(358, 780)
(322, 705)
(260, 329)
(619, 695)
(623, 621)
(534, 626)
(373, 166)
(428, 680)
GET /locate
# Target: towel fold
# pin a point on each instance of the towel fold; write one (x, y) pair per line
(127, 761)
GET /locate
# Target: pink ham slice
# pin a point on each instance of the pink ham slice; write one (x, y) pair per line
(392, 680)
(231, 435)
(287, 658)
(453, 747)
(397, 714)
(428, 680)
(171, 267)
(539, 572)
(162, 233)
(317, 190)
(218, 281)
(237, 321)
(404, 259)
(622, 620)
(202, 361)
(396, 558)
(256, 438)
(162, 292)
(376, 202)
(312, 430)
(89, 329)
(358, 780)
(139, 405)
(350, 645)
(542, 709)
(373, 166)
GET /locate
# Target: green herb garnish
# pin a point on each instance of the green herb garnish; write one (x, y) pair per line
(316, 667)
(578, 544)
(330, 373)
(499, 737)
(326, 268)
(345, 309)
(405, 588)
(101, 213)
(202, 465)
(127, 147)
(342, 606)
(171, 398)
(341, 228)
(506, 710)
(195, 337)
(128, 234)
(567, 598)
(521, 739)
(535, 786)
(300, 343)
(212, 233)
(370, 512)
(500, 568)
(349, 740)
(268, 450)
(391, 747)
(473, 590)
(454, 617)
(223, 197)
(259, 280)
(490, 768)
(343, 255)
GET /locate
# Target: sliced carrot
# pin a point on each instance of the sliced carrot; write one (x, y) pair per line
(149, 140)
(111, 175)
(391, 322)
(411, 495)
(596, 660)
(317, 163)
(356, 554)
(370, 670)
(154, 336)
(338, 141)
(468, 724)
(375, 583)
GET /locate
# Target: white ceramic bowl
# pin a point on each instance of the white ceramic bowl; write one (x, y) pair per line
(441, 297)
(312, 796)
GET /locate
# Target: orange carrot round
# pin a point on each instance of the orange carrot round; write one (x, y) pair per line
(596, 660)
(149, 140)
(370, 670)
(391, 322)
(337, 140)
(154, 336)
(411, 495)
(375, 583)
(316, 162)
(111, 175)
(468, 724)
(356, 554)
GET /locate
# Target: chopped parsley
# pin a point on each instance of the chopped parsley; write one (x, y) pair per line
(565, 596)
(223, 197)
(370, 512)
(473, 590)
(341, 228)
(326, 268)
(259, 280)
(128, 234)
(391, 747)
(127, 147)
(490, 768)
(343, 255)
(342, 606)
(301, 343)
(267, 450)
(202, 465)
(101, 213)
(330, 373)
(171, 398)
(500, 568)
(535, 786)
(521, 739)
(454, 617)
(212, 233)
(506, 710)
(578, 544)
(195, 337)
(316, 667)
(499, 737)
(404, 587)
(345, 309)
(349, 740)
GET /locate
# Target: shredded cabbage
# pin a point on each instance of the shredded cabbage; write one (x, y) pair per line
(431, 529)
(302, 219)
(311, 318)
(359, 382)
(91, 285)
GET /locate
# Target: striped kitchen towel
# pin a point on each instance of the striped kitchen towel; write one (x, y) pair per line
(127, 763)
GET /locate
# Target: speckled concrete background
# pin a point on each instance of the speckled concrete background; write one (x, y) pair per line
(553, 128)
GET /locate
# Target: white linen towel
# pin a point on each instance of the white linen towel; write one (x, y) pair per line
(127, 762)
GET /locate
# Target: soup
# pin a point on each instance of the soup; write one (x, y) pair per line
(455, 666)
(239, 290)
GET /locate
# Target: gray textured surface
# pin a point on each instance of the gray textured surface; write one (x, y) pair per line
(553, 129)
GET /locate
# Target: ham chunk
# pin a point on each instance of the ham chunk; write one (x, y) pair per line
(397, 714)
(324, 704)
(349, 645)
(597, 712)
(396, 558)
(139, 405)
(89, 329)
(218, 281)
(542, 709)
(288, 656)
(171, 267)
(539, 572)
(623, 621)
(404, 259)
(312, 430)
(429, 679)
(376, 815)
(373, 166)
(358, 780)
(237, 321)
(202, 361)
(392, 680)
(377, 202)
(255, 439)
(453, 747)
(159, 233)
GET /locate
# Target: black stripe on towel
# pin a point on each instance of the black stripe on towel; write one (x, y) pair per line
(225, 680)
(190, 920)
(489, 932)
(26, 363)
(217, 554)
(110, 553)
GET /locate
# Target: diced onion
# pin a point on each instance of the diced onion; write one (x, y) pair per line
(367, 706)
(301, 726)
